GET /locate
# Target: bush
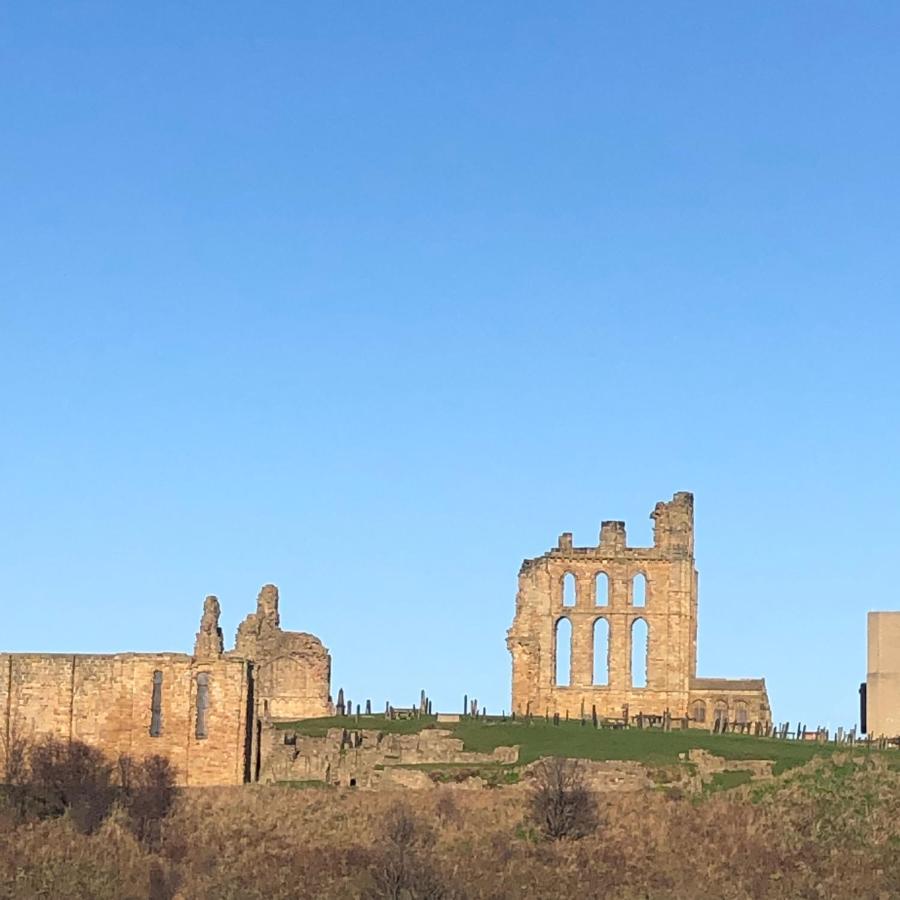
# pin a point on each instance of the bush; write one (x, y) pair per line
(559, 803)
(69, 777)
(56, 777)
(147, 792)
(402, 871)
(15, 771)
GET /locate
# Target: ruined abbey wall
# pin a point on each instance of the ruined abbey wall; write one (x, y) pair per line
(205, 711)
(106, 701)
(606, 599)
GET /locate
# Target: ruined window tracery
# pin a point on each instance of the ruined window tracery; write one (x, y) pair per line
(698, 711)
(639, 590)
(563, 652)
(202, 704)
(569, 590)
(640, 647)
(601, 652)
(156, 705)
(741, 715)
(720, 713)
(602, 589)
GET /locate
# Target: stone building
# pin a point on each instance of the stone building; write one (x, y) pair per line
(207, 712)
(881, 706)
(614, 627)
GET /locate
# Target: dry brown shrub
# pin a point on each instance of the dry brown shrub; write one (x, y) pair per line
(147, 791)
(818, 834)
(403, 869)
(560, 804)
(70, 777)
(446, 809)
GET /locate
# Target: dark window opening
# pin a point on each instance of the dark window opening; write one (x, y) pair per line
(202, 704)
(156, 706)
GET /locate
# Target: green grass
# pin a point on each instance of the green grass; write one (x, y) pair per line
(723, 781)
(652, 747)
(538, 739)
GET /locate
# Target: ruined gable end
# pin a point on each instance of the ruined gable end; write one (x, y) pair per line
(613, 629)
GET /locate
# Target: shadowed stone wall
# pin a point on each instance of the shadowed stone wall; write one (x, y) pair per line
(106, 701)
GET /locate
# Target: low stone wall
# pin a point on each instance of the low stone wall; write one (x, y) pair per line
(708, 764)
(367, 757)
(608, 776)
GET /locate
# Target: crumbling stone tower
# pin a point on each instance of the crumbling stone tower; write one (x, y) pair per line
(632, 616)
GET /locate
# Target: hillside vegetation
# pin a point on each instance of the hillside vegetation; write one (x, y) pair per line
(826, 829)
(538, 739)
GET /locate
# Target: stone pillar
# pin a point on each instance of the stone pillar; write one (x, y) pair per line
(209, 640)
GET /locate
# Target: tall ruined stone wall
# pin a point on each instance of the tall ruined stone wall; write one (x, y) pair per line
(106, 701)
(212, 707)
(292, 668)
(669, 611)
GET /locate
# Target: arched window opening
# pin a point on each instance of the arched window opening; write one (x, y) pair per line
(698, 711)
(741, 713)
(569, 592)
(156, 705)
(639, 590)
(720, 712)
(602, 587)
(563, 641)
(601, 652)
(640, 645)
(202, 704)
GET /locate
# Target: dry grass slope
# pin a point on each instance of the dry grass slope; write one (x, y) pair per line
(828, 829)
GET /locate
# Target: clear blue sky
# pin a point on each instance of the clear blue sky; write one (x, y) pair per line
(374, 300)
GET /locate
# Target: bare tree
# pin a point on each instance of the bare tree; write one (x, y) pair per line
(560, 804)
(14, 745)
(148, 791)
(71, 777)
(403, 871)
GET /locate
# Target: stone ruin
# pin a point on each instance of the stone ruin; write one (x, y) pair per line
(608, 597)
(369, 758)
(215, 713)
(207, 712)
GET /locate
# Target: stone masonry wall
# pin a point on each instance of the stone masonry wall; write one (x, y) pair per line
(292, 668)
(364, 758)
(105, 701)
(669, 612)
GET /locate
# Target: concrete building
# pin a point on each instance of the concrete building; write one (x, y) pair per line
(881, 700)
